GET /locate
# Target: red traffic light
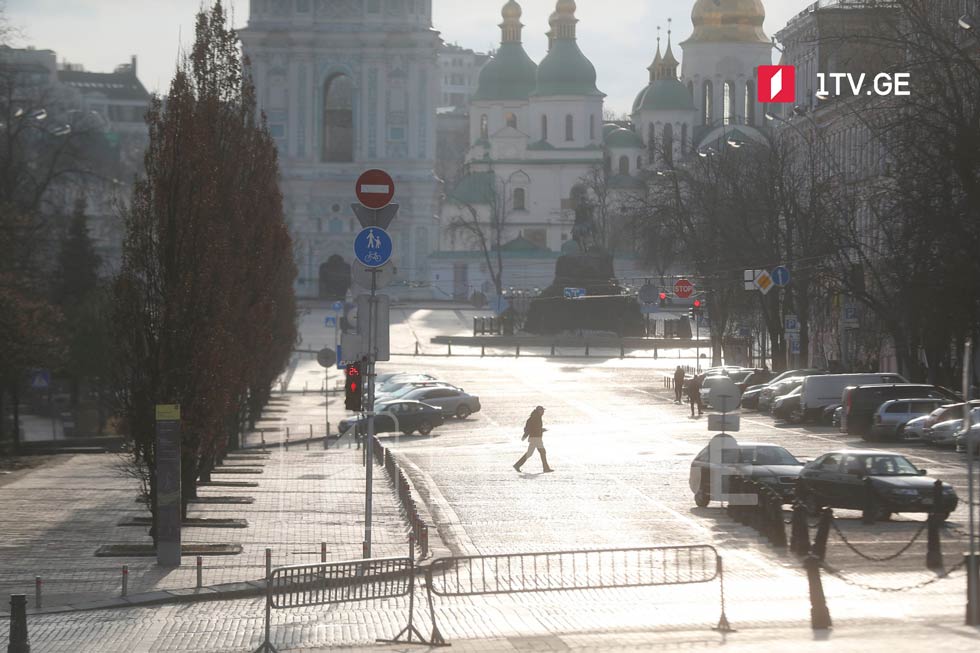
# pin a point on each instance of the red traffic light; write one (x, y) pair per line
(663, 296)
(697, 303)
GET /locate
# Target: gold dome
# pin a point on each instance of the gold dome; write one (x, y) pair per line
(565, 7)
(728, 21)
(511, 10)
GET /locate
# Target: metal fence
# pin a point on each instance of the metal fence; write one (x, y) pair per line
(341, 582)
(555, 571)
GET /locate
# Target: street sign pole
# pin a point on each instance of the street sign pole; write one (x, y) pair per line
(972, 599)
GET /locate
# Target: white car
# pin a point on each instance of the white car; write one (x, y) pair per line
(943, 434)
(914, 429)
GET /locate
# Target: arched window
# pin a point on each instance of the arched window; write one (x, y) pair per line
(511, 119)
(569, 128)
(749, 103)
(684, 139)
(338, 119)
(592, 127)
(668, 139)
(728, 103)
(520, 199)
(624, 165)
(706, 108)
(484, 127)
(652, 142)
(544, 128)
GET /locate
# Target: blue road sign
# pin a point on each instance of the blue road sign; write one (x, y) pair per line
(341, 364)
(330, 321)
(780, 275)
(574, 293)
(40, 379)
(372, 247)
(337, 307)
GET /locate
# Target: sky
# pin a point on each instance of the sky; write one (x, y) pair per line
(619, 36)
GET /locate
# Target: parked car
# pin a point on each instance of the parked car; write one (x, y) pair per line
(766, 463)
(838, 479)
(773, 390)
(710, 383)
(787, 407)
(861, 402)
(401, 391)
(452, 401)
(831, 414)
(822, 390)
(397, 382)
(405, 416)
(913, 430)
(973, 436)
(753, 393)
(889, 420)
(948, 411)
(381, 379)
(753, 378)
(943, 434)
(838, 416)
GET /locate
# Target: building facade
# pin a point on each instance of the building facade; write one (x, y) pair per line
(459, 71)
(349, 85)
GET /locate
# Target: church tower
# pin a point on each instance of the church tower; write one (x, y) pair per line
(348, 85)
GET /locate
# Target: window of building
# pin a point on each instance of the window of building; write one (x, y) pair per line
(706, 108)
(624, 165)
(750, 103)
(544, 128)
(511, 119)
(484, 127)
(728, 102)
(569, 128)
(668, 138)
(338, 119)
(520, 199)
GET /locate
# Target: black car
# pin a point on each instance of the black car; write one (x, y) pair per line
(840, 480)
(405, 416)
(861, 402)
(724, 457)
(787, 407)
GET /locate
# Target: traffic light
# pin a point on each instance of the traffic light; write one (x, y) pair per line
(353, 387)
(663, 299)
(692, 313)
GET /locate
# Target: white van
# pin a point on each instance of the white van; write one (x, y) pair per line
(822, 390)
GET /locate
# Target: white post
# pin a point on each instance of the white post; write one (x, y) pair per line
(972, 600)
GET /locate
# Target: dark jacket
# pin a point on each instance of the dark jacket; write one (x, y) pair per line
(534, 426)
(678, 376)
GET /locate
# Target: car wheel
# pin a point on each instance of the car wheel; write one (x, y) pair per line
(795, 416)
(425, 428)
(942, 516)
(701, 499)
(408, 432)
(463, 412)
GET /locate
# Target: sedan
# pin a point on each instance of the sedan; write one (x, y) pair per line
(914, 429)
(724, 457)
(773, 390)
(943, 434)
(395, 416)
(787, 407)
(840, 479)
(452, 401)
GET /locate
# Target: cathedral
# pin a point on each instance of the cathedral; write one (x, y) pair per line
(539, 142)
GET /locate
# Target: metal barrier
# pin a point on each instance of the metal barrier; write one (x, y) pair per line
(555, 571)
(341, 582)
(419, 529)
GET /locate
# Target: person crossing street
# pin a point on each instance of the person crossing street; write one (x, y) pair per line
(678, 384)
(534, 434)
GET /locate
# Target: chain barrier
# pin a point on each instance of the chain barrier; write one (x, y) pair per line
(853, 548)
(850, 581)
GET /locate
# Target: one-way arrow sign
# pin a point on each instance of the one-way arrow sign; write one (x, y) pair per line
(375, 218)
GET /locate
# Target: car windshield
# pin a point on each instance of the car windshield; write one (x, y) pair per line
(766, 456)
(740, 376)
(889, 465)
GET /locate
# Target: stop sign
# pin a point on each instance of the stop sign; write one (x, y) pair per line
(374, 189)
(683, 288)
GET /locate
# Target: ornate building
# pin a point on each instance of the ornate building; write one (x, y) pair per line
(349, 85)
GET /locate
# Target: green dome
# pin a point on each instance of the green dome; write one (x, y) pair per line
(566, 71)
(666, 95)
(639, 98)
(623, 137)
(609, 128)
(510, 75)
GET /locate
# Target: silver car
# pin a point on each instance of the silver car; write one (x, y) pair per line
(890, 418)
(943, 434)
(914, 429)
(452, 401)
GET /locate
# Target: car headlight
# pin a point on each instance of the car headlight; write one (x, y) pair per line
(903, 492)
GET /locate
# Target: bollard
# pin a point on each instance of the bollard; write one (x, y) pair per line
(819, 548)
(552, 349)
(800, 536)
(819, 613)
(449, 344)
(37, 592)
(287, 438)
(125, 580)
(200, 572)
(586, 349)
(307, 445)
(622, 351)
(655, 356)
(416, 347)
(483, 350)
(934, 553)
(411, 546)
(474, 326)
(870, 505)
(972, 588)
(268, 563)
(518, 354)
(777, 529)
(19, 642)
(761, 513)
(262, 433)
(323, 551)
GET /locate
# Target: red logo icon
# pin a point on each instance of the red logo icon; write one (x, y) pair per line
(777, 84)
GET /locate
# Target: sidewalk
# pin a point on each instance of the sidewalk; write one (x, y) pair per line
(55, 517)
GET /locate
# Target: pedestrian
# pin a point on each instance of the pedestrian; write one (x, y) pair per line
(534, 434)
(678, 384)
(694, 393)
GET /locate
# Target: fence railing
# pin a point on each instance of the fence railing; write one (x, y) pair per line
(403, 489)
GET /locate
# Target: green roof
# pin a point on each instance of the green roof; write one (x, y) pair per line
(609, 128)
(623, 137)
(475, 188)
(566, 71)
(510, 75)
(666, 95)
(522, 244)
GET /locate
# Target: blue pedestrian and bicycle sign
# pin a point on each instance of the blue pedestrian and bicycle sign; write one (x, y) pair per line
(372, 247)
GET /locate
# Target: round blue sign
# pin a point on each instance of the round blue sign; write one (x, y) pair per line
(338, 306)
(372, 247)
(780, 276)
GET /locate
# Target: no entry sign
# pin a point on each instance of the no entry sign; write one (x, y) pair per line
(374, 189)
(683, 288)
